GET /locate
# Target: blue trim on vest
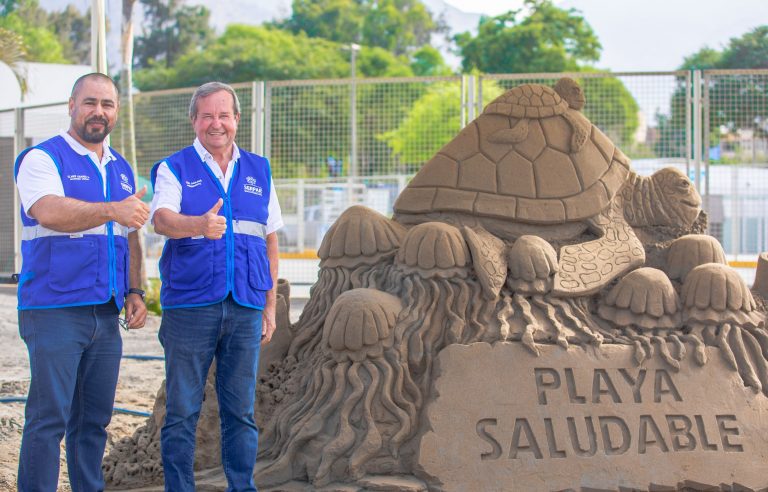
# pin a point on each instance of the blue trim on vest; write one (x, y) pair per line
(201, 272)
(65, 270)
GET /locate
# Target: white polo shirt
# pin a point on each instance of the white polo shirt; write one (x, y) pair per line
(168, 189)
(39, 176)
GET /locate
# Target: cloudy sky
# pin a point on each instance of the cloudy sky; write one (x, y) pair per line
(651, 34)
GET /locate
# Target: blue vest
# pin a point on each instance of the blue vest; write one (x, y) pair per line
(62, 269)
(196, 271)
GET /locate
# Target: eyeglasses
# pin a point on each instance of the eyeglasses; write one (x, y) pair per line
(123, 323)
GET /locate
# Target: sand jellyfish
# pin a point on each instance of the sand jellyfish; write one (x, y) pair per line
(356, 252)
(443, 303)
(532, 265)
(646, 307)
(356, 411)
(688, 252)
(718, 307)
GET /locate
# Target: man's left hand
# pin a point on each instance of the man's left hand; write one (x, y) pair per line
(268, 324)
(135, 311)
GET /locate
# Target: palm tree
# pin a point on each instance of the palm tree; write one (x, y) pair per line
(12, 53)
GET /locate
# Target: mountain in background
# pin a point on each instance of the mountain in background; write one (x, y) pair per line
(257, 12)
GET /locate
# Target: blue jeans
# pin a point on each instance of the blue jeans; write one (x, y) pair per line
(74, 358)
(191, 338)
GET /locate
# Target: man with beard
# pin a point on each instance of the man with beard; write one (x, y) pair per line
(217, 205)
(81, 266)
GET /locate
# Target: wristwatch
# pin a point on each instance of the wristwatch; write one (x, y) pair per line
(140, 292)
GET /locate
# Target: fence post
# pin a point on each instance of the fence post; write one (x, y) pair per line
(471, 98)
(267, 119)
(18, 146)
(257, 117)
(463, 93)
(697, 134)
(300, 227)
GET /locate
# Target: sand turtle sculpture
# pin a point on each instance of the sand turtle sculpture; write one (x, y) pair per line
(531, 164)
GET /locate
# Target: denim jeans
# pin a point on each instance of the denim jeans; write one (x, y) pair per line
(74, 358)
(192, 337)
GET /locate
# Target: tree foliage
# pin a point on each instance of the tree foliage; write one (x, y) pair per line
(73, 30)
(433, 120)
(736, 102)
(30, 22)
(171, 29)
(246, 53)
(398, 26)
(49, 37)
(538, 38)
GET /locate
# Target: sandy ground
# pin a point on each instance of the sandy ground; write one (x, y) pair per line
(136, 389)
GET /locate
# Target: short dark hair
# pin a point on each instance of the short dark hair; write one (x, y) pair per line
(93, 75)
(209, 88)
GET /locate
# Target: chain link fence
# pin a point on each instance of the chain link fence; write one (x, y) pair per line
(335, 143)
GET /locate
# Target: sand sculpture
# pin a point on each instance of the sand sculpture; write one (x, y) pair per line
(524, 253)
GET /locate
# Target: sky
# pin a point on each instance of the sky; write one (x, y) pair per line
(650, 35)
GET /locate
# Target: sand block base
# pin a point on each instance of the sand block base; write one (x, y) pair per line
(503, 419)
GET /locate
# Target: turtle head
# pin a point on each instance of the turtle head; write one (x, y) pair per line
(570, 90)
(680, 202)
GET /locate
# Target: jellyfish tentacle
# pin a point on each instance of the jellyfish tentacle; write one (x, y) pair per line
(761, 337)
(504, 314)
(538, 301)
(531, 324)
(639, 353)
(391, 388)
(345, 436)
(576, 324)
(666, 356)
(761, 365)
(746, 370)
(680, 350)
(699, 348)
(372, 441)
(725, 348)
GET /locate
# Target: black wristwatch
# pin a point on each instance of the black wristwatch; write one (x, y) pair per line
(140, 292)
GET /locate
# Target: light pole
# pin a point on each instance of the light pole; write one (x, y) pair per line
(98, 37)
(353, 48)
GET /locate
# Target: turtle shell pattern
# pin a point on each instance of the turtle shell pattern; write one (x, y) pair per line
(537, 180)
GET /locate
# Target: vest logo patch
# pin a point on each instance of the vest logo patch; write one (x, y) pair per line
(251, 187)
(194, 184)
(125, 184)
(78, 177)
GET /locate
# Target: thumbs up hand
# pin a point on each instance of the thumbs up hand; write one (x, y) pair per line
(131, 211)
(214, 225)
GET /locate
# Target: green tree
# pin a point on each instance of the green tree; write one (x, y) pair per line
(30, 22)
(399, 26)
(335, 20)
(547, 39)
(433, 120)
(427, 61)
(736, 101)
(245, 53)
(705, 58)
(171, 30)
(73, 30)
(748, 51)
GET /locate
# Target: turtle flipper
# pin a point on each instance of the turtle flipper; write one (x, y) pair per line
(587, 267)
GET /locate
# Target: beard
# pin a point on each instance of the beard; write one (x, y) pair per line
(93, 136)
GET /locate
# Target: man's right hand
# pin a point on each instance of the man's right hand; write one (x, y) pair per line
(131, 211)
(214, 225)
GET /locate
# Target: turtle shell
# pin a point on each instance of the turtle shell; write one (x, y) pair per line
(539, 179)
(528, 101)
